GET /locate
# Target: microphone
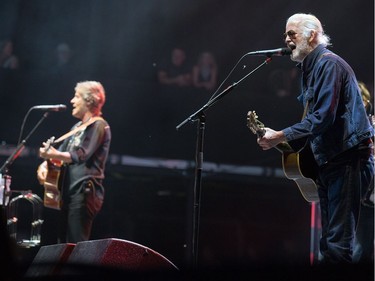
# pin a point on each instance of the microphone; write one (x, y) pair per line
(57, 107)
(269, 53)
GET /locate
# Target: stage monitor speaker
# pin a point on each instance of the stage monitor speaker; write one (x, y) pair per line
(121, 254)
(50, 260)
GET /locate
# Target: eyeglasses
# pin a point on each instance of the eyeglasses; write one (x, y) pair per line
(291, 34)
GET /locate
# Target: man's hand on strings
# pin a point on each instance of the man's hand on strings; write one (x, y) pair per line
(41, 172)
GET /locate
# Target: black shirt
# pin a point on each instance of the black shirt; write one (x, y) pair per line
(89, 150)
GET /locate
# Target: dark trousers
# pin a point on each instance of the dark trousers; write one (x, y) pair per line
(79, 213)
(340, 185)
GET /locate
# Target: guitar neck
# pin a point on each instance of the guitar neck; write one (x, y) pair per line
(284, 147)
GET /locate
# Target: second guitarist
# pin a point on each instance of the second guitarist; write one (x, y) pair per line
(338, 131)
(84, 154)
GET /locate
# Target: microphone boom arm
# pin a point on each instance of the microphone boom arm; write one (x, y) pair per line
(193, 117)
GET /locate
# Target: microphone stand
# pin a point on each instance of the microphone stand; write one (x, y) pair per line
(199, 116)
(14, 156)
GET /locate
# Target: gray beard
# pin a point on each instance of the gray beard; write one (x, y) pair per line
(301, 51)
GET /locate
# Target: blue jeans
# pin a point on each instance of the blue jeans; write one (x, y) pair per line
(341, 183)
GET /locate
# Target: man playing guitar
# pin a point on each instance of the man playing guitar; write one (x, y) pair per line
(338, 131)
(83, 155)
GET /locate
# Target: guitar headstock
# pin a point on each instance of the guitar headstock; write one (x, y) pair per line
(254, 124)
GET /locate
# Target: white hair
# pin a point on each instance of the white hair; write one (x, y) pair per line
(308, 23)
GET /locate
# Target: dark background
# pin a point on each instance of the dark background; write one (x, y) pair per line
(245, 218)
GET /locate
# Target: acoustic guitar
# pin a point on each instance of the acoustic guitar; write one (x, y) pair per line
(298, 166)
(53, 182)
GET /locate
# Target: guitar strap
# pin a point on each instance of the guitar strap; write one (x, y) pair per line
(79, 128)
(305, 110)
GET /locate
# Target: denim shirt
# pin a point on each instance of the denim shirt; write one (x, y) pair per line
(335, 119)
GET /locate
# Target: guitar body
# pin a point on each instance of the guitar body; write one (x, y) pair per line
(302, 172)
(298, 166)
(53, 184)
